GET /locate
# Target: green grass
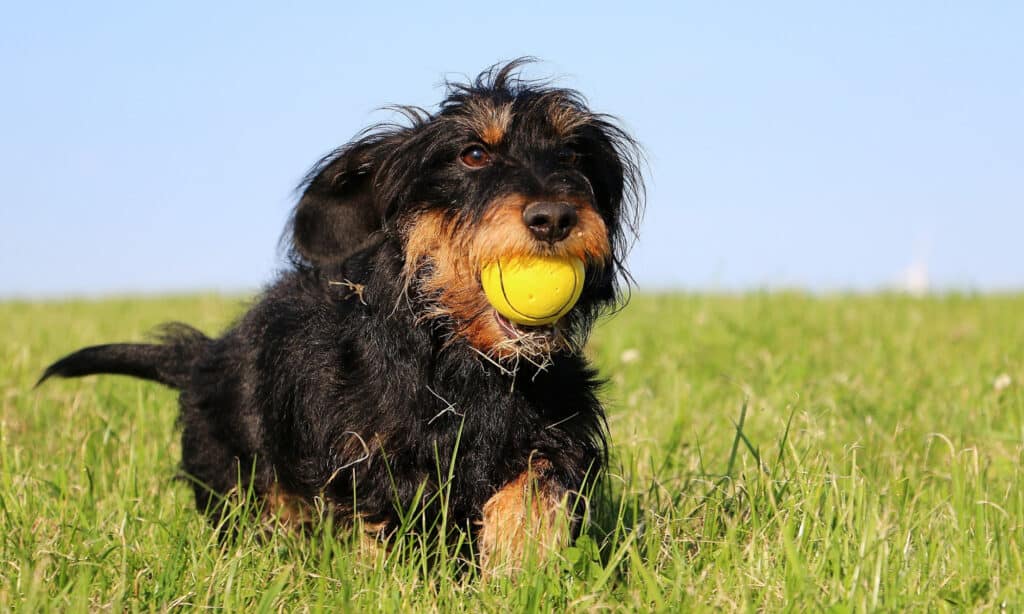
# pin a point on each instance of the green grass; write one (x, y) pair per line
(769, 451)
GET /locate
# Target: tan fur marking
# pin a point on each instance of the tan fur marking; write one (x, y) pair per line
(489, 121)
(295, 513)
(502, 233)
(526, 512)
(492, 134)
(456, 256)
(565, 118)
(453, 279)
(290, 510)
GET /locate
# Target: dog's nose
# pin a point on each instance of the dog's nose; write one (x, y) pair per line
(550, 222)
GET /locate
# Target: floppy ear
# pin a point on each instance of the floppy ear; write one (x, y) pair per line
(611, 161)
(338, 209)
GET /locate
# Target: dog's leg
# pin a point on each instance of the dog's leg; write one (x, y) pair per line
(282, 509)
(288, 510)
(528, 517)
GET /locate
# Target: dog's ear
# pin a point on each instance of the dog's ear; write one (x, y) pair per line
(611, 161)
(338, 210)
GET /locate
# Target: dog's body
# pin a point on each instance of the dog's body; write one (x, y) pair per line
(374, 374)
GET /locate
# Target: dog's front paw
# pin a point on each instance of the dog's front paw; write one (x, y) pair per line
(525, 521)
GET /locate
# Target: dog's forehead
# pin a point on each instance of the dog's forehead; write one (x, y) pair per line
(499, 119)
(489, 118)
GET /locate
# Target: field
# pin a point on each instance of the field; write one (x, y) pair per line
(770, 451)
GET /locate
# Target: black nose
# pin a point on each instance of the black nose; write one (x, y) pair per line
(550, 222)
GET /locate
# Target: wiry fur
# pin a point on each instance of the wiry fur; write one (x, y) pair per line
(375, 359)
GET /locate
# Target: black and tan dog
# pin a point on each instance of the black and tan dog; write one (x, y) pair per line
(374, 373)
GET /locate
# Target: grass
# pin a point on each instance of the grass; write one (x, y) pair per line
(771, 451)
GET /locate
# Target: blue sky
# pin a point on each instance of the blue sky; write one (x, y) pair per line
(816, 145)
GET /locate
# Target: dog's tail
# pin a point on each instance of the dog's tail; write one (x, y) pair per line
(168, 362)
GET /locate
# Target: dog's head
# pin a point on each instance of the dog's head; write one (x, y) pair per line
(505, 168)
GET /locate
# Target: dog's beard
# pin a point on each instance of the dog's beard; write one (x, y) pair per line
(441, 278)
(474, 321)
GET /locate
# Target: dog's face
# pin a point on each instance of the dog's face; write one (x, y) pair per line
(504, 169)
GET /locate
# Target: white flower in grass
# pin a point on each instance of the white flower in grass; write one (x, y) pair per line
(1002, 382)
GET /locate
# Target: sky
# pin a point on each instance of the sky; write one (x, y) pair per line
(825, 146)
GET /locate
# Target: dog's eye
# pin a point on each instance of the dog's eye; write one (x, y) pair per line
(566, 155)
(475, 156)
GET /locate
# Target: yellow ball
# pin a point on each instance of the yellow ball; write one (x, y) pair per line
(534, 290)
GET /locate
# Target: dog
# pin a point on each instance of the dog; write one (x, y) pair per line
(373, 375)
